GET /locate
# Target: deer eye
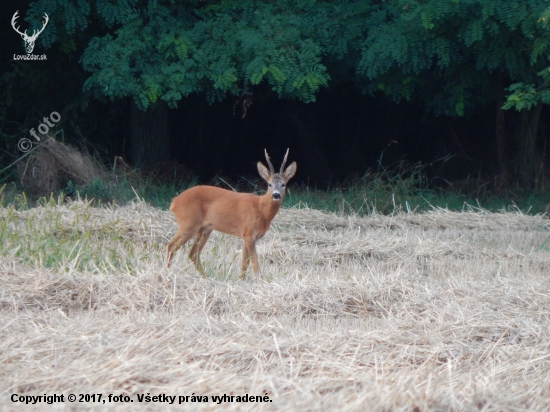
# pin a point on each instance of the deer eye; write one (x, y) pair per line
(269, 185)
(283, 185)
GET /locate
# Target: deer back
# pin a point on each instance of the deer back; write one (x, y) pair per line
(238, 214)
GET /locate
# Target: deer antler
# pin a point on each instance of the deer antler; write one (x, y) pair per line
(269, 162)
(34, 32)
(13, 19)
(29, 40)
(284, 162)
(44, 24)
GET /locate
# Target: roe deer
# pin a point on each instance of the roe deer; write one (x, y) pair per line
(202, 209)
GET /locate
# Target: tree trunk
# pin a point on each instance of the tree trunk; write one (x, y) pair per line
(529, 162)
(308, 135)
(500, 136)
(149, 135)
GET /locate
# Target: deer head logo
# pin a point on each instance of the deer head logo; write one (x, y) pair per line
(29, 40)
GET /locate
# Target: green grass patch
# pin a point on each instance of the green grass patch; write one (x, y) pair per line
(385, 192)
(72, 238)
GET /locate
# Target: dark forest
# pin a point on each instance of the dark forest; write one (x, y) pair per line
(460, 87)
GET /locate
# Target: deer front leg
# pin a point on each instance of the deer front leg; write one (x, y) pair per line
(245, 261)
(253, 255)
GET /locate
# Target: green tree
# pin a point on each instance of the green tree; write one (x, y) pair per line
(449, 56)
(158, 52)
(453, 56)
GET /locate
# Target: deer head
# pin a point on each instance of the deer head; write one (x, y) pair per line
(29, 40)
(276, 181)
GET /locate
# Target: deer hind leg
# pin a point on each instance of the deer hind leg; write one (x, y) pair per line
(181, 237)
(194, 254)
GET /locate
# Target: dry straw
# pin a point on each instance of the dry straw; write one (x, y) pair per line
(425, 312)
(53, 164)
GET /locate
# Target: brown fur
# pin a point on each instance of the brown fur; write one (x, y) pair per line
(200, 210)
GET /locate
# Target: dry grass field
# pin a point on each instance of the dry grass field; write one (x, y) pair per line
(422, 312)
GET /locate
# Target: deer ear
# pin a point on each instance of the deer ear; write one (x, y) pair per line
(290, 171)
(263, 171)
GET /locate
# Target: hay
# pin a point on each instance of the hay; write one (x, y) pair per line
(439, 311)
(53, 164)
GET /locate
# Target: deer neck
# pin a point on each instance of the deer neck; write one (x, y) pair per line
(269, 207)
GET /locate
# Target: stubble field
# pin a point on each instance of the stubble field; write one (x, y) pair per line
(423, 312)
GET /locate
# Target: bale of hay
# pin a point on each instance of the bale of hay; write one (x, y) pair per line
(53, 164)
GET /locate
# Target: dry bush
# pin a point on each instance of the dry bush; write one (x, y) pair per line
(439, 311)
(53, 164)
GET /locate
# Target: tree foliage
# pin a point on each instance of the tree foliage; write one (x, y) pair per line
(439, 53)
(450, 57)
(444, 53)
(525, 95)
(162, 50)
